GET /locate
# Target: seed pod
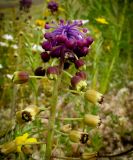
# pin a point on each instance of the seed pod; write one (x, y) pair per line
(27, 115)
(66, 128)
(91, 120)
(94, 96)
(86, 156)
(8, 147)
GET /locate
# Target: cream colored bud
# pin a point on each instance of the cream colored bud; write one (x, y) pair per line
(92, 120)
(66, 128)
(94, 96)
(8, 147)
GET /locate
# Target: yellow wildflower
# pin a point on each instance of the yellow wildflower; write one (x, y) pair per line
(16, 145)
(40, 22)
(101, 20)
(23, 140)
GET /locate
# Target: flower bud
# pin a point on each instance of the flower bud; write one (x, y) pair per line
(27, 115)
(20, 77)
(86, 156)
(8, 147)
(77, 136)
(81, 74)
(53, 72)
(46, 45)
(92, 120)
(80, 64)
(45, 56)
(39, 71)
(94, 96)
(78, 83)
(66, 128)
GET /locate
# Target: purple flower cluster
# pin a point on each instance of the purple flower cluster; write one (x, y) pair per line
(68, 42)
(53, 6)
(25, 4)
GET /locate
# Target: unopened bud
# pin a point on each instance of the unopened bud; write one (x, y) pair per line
(66, 128)
(20, 77)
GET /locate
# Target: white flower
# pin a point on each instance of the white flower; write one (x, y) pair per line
(85, 21)
(1, 66)
(9, 76)
(8, 37)
(36, 48)
(3, 44)
(14, 46)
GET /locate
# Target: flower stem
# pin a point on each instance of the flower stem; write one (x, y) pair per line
(52, 119)
(71, 119)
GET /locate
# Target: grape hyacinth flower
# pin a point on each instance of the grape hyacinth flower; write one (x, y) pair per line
(25, 4)
(67, 40)
(53, 6)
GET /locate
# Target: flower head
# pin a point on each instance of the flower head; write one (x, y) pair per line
(66, 40)
(17, 143)
(102, 20)
(25, 4)
(92, 120)
(53, 6)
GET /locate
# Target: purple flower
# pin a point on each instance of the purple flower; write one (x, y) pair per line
(53, 6)
(25, 4)
(67, 40)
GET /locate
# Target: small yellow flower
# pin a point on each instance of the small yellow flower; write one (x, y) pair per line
(16, 145)
(102, 20)
(23, 140)
(40, 23)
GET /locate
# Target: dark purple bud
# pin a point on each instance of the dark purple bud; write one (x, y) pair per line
(81, 74)
(84, 51)
(85, 30)
(45, 56)
(55, 52)
(46, 45)
(66, 65)
(79, 63)
(61, 38)
(48, 35)
(89, 41)
(39, 71)
(47, 26)
(70, 44)
(52, 72)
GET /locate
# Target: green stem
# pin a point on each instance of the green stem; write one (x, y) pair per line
(71, 119)
(52, 119)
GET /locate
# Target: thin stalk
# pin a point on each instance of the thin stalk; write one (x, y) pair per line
(70, 119)
(52, 119)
